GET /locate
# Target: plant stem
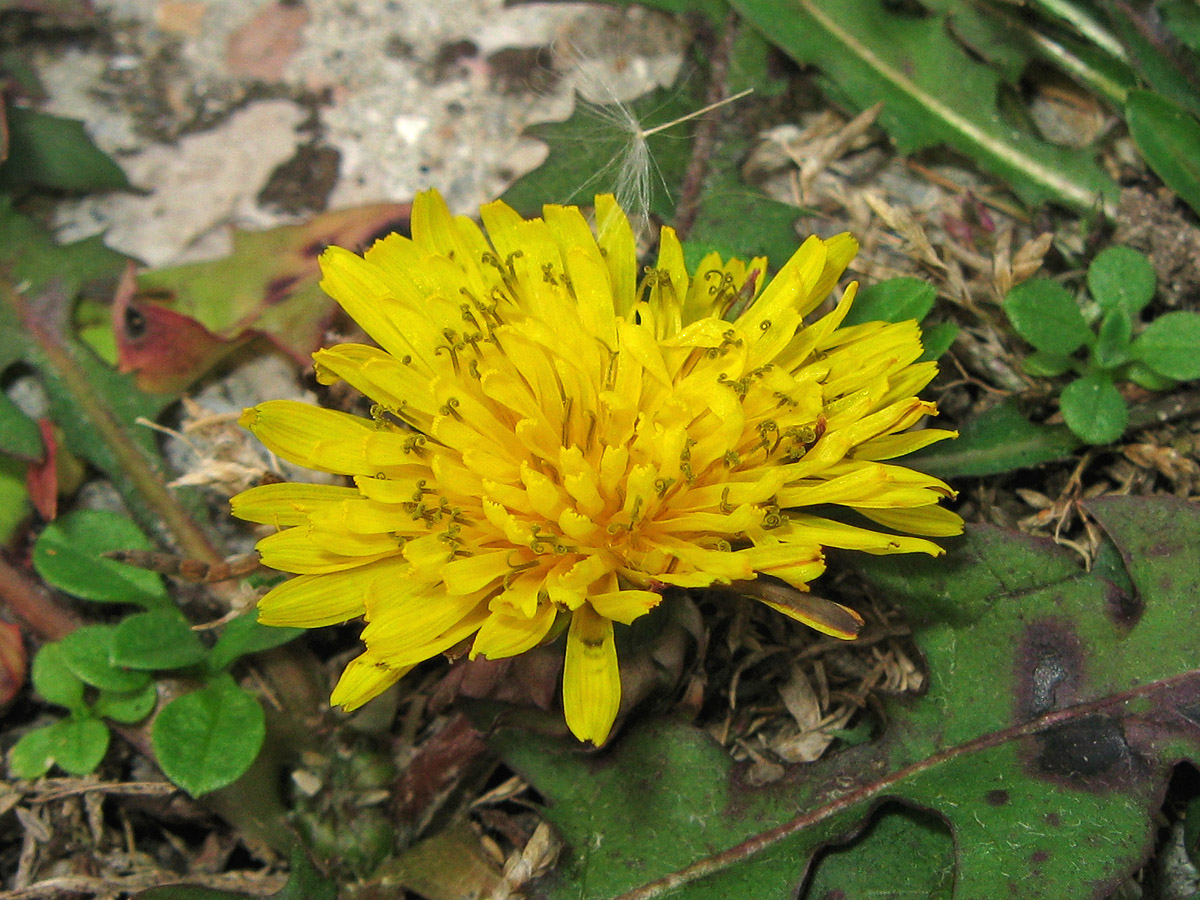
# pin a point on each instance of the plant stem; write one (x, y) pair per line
(33, 606)
(43, 319)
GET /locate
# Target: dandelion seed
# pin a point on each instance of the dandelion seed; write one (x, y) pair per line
(632, 168)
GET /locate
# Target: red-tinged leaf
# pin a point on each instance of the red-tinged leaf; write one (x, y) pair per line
(41, 478)
(14, 662)
(185, 318)
(165, 350)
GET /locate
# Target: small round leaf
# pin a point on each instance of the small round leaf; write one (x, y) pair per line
(1170, 345)
(53, 679)
(68, 555)
(1046, 365)
(1045, 314)
(87, 652)
(937, 339)
(208, 738)
(1121, 278)
(243, 636)
(126, 706)
(1094, 409)
(1143, 376)
(32, 756)
(78, 744)
(1112, 344)
(159, 639)
(894, 300)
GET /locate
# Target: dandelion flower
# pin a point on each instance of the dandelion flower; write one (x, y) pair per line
(555, 439)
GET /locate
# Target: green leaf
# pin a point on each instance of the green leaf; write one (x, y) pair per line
(160, 639)
(1047, 365)
(67, 554)
(871, 54)
(1120, 277)
(14, 499)
(78, 744)
(1169, 138)
(1112, 343)
(998, 440)
(87, 652)
(1183, 19)
(894, 300)
(53, 679)
(19, 434)
(207, 739)
(1047, 316)
(1170, 345)
(243, 636)
(126, 706)
(1162, 68)
(726, 205)
(1086, 714)
(902, 853)
(32, 755)
(1094, 409)
(1142, 375)
(937, 339)
(51, 152)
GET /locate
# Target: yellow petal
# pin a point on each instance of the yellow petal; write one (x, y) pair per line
(403, 389)
(849, 537)
(892, 445)
(365, 678)
(933, 521)
(309, 601)
(404, 617)
(615, 237)
(286, 504)
(591, 679)
(503, 635)
(624, 606)
(327, 440)
(473, 573)
(369, 298)
(296, 550)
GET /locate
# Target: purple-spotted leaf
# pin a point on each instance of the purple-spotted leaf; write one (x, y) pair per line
(1057, 706)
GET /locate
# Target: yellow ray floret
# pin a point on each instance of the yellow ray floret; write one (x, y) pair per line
(556, 435)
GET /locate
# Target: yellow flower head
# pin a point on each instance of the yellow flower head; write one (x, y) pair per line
(554, 439)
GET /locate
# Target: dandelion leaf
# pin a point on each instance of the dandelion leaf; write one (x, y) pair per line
(934, 92)
(1057, 706)
(596, 151)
